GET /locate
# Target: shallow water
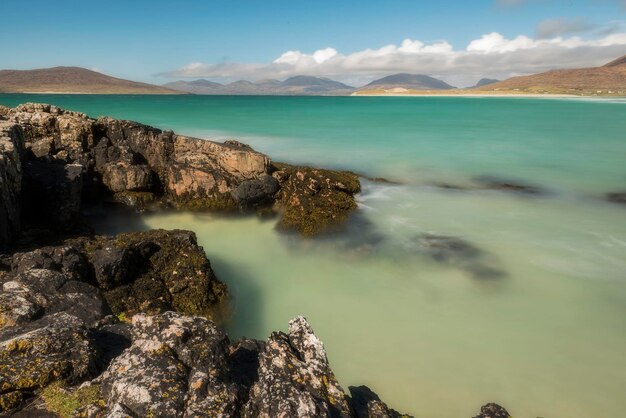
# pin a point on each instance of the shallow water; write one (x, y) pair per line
(545, 337)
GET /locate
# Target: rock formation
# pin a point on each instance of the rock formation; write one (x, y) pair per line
(54, 160)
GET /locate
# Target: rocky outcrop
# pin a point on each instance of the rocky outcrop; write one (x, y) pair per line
(152, 272)
(313, 201)
(53, 160)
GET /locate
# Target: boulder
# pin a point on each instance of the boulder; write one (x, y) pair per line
(11, 150)
(295, 379)
(123, 177)
(314, 201)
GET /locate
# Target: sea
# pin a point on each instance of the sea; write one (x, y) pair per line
(444, 292)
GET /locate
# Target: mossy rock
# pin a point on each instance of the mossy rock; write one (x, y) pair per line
(156, 271)
(312, 200)
(67, 402)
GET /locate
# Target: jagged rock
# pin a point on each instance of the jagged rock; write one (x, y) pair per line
(492, 410)
(295, 379)
(155, 271)
(57, 347)
(52, 194)
(11, 148)
(312, 200)
(367, 404)
(176, 366)
(66, 259)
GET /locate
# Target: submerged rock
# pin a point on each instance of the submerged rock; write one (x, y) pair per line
(495, 184)
(616, 197)
(459, 253)
(314, 201)
(492, 410)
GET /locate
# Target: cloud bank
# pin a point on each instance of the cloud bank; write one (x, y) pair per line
(492, 55)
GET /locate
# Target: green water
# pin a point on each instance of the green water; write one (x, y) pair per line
(546, 338)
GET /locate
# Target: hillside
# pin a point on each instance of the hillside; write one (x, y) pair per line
(609, 79)
(72, 80)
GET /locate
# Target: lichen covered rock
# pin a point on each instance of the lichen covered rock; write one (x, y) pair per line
(492, 410)
(295, 379)
(176, 366)
(53, 348)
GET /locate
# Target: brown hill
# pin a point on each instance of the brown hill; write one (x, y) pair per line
(608, 79)
(72, 80)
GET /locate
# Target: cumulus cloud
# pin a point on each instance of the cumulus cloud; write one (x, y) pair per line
(492, 55)
(557, 27)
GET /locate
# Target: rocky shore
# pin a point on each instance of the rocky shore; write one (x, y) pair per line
(129, 326)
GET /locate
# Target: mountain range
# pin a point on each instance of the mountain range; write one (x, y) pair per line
(297, 85)
(609, 79)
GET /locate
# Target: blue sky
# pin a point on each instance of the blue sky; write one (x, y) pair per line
(229, 39)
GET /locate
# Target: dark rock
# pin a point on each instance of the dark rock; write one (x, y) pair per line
(367, 404)
(65, 259)
(11, 149)
(492, 410)
(53, 348)
(176, 366)
(616, 197)
(251, 193)
(295, 379)
(156, 271)
(52, 195)
(313, 201)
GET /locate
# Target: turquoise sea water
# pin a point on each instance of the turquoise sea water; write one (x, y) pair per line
(545, 338)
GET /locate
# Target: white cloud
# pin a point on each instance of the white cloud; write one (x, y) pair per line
(492, 55)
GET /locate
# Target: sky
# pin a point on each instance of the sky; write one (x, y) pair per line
(353, 41)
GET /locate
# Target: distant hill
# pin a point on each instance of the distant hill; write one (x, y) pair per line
(608, 79)
(409, 82)
(297, 85)
(485, 82)
(72, 80)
